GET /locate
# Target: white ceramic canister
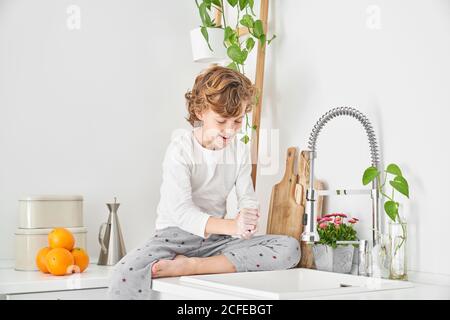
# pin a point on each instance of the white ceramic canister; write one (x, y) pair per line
(30, 241)
(49, 211)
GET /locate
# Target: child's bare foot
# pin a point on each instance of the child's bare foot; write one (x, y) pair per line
(179, 266)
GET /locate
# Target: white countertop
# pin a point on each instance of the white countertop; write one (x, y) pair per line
(12, 281)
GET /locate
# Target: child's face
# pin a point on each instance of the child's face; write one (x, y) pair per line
(218, 130)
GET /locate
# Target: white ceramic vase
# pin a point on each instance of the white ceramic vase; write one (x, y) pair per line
(200, 50)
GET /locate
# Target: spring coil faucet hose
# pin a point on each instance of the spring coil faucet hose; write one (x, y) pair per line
(352, 112)
(310, 234)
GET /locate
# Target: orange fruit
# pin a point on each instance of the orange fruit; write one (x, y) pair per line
(60, 261)
(61, 238)
(81, 258)
(41, 260)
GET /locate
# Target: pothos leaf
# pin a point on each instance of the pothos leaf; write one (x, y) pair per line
(245, 139)
(250, 43)
(401, 185)
(247, 21)
(233, 66)
(391, 209)
(394, 169)
(258, 29)
(242, 4)
(236, 54)
(369, 175)
(205, 35)
(271, 39)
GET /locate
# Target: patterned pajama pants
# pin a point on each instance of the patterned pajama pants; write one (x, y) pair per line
(131, 278)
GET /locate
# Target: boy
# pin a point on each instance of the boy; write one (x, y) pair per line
(200, 169)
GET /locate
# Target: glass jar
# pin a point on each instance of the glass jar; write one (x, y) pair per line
(398, 253)
(384, 256)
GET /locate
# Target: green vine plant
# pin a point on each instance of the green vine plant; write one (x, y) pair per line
(398, 183)
(237, 50)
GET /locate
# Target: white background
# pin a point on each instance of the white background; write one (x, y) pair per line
(91, 111)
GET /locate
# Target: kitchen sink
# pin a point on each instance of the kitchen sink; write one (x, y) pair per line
(294, 283)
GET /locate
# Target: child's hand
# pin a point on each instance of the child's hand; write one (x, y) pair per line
(247, 222)
(248, 234)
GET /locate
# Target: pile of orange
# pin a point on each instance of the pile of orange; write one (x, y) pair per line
(61, 257)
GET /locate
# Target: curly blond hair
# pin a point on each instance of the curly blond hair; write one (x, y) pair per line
(222, 90)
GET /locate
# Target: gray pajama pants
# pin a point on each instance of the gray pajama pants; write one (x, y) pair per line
(131, 278)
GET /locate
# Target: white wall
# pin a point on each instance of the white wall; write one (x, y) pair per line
(327, 54)
(90, 111)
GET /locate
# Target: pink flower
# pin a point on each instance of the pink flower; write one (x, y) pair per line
(323, 225)
(353, 220)
(343, 215)
(338, 222)
(325, 220)
(329, 215)
(338, 219)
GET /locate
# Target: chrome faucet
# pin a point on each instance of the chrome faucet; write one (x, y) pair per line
(310, 234)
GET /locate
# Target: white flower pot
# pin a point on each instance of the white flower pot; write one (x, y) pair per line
(201, 51)
(333, 260)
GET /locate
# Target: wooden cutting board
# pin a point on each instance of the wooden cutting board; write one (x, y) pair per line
(284, 212)
(288, 199)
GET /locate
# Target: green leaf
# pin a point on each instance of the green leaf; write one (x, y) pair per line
(208, 21)
(251, 3)
(204, 15)
(254, 127)
(236, 54)
(250, 43)
(230, 37)
(242, 4)
(271, 39)
(244, 55)
(401, 185)
(391, 209)
(245, 139)
(369, 175)
(205, 35)
(233, 2)
(208, 4)
(258, 29)
(233, 66)
(202, 11)
(394, 169)
(262, 40)
(247, 21)
(217, 3)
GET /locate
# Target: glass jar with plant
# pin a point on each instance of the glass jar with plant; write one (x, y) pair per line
(237, 47)
(397, 224)
(332, 253)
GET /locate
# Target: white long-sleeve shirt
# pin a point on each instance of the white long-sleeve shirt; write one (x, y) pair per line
(197, 181)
